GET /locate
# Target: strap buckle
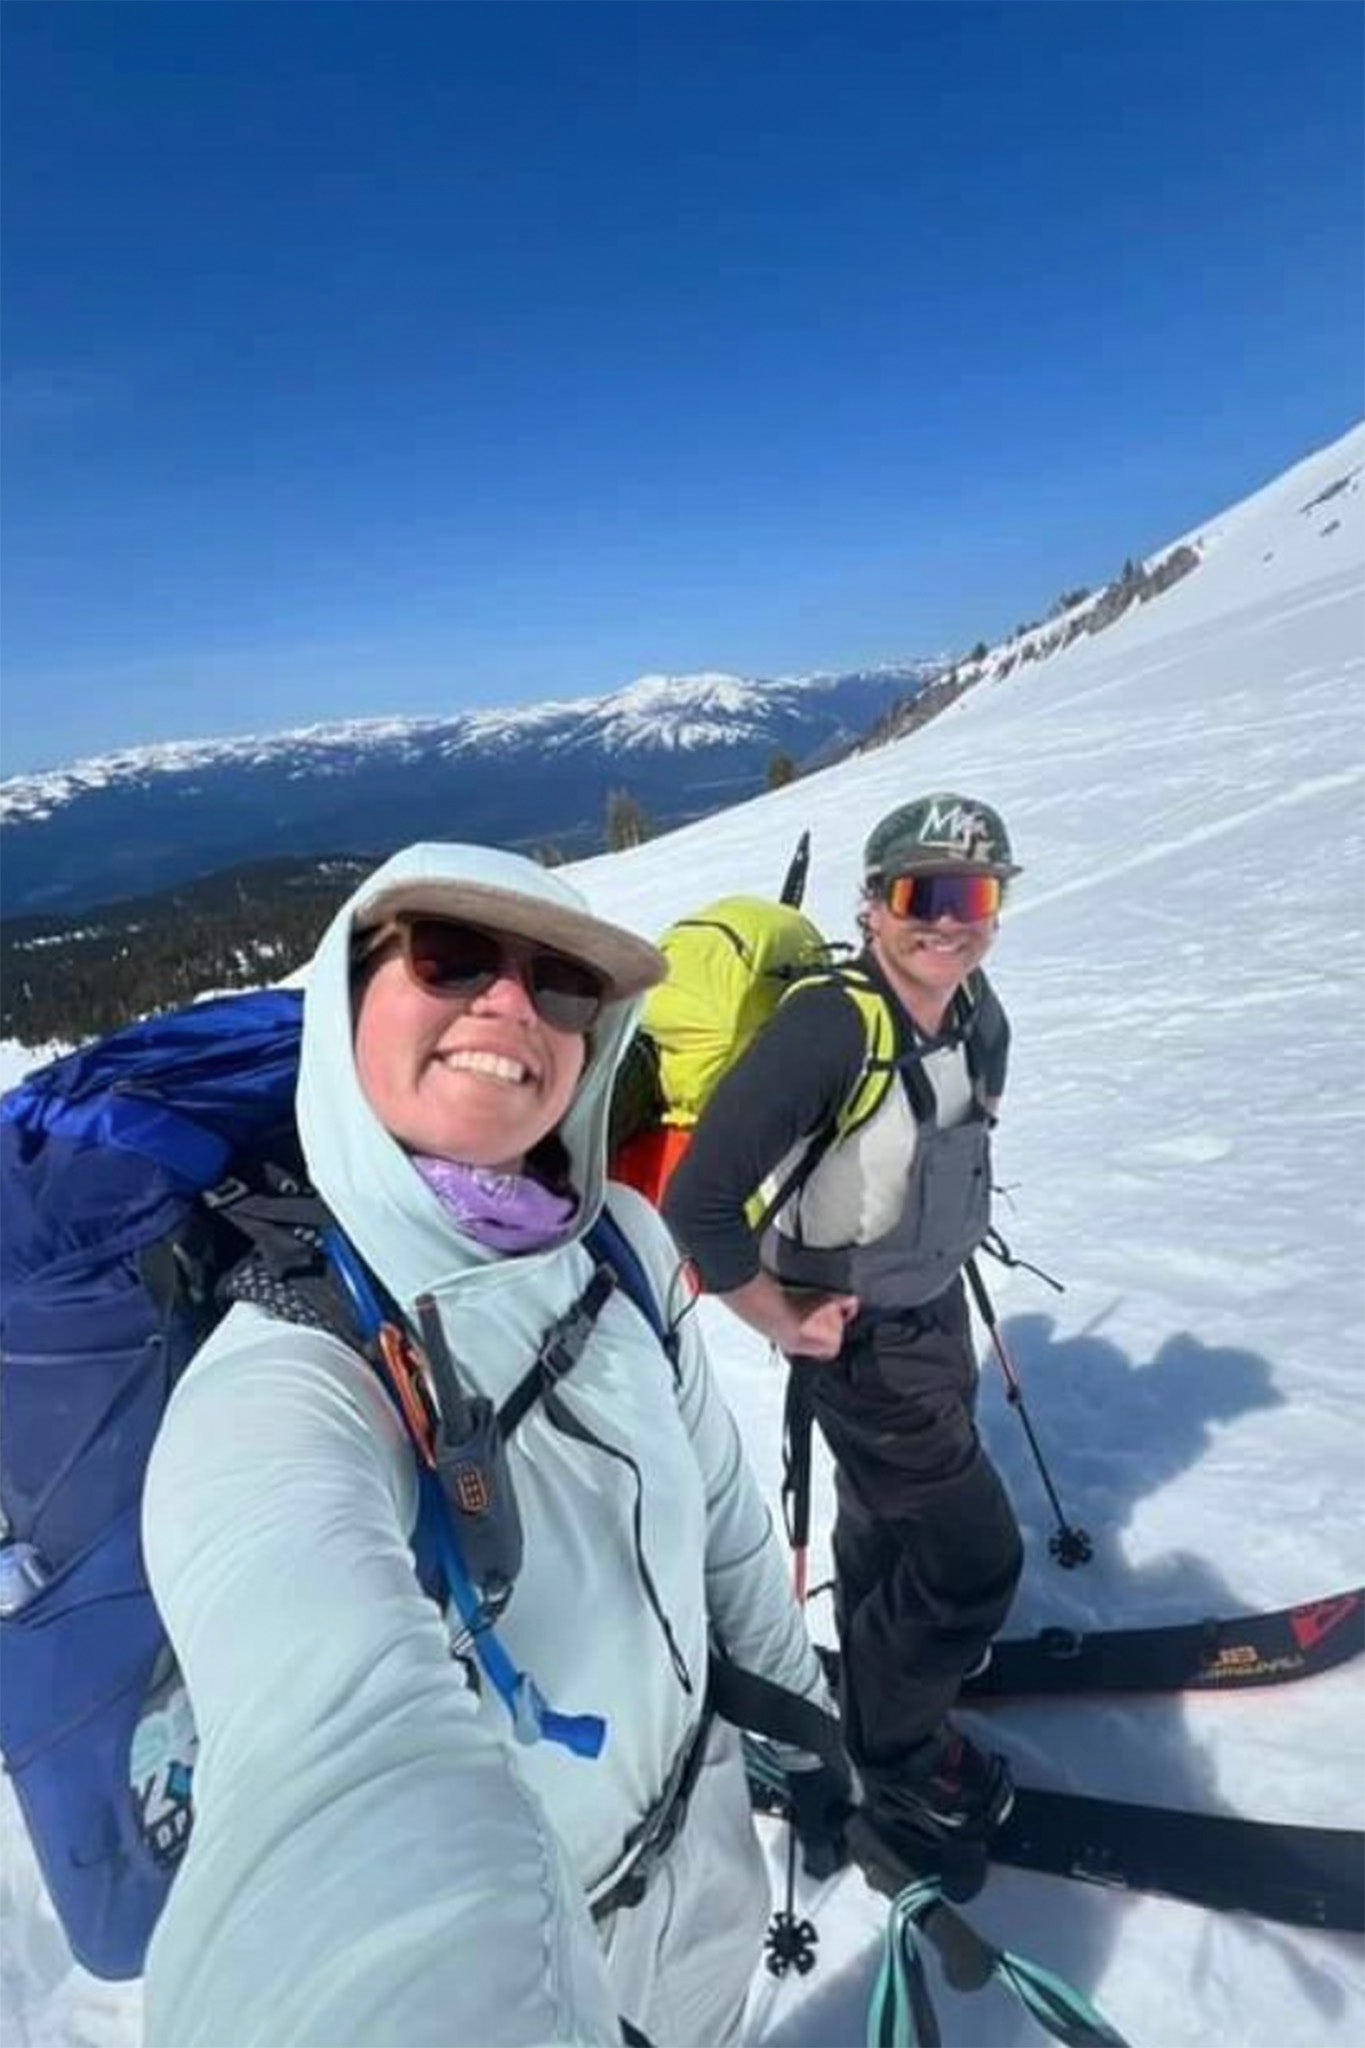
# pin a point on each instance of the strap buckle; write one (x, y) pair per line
(409, 1377)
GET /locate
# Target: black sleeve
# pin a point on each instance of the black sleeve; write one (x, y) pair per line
(791, 1082)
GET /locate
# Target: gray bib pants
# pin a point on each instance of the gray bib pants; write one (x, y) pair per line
(927, 1550)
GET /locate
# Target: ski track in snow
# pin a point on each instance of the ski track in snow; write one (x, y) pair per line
(1182, 1145)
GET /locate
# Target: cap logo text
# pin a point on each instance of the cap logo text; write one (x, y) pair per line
(958, 827)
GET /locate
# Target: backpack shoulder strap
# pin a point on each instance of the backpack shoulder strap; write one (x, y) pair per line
(875, 1015)
(864, 1098)
(302, 1271)
(617, 1264)
(873, 1084)
(980, 1021)
(341, 1294)
(609, 1245)
(985, 1029)
(289, 1270)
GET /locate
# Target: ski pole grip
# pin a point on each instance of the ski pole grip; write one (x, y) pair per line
(968, 1961)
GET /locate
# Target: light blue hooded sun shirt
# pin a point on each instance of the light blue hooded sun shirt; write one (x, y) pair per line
(372, 1851)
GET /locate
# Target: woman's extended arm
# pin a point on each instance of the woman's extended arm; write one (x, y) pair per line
(367, 1865)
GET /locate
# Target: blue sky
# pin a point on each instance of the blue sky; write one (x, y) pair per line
(407, 357)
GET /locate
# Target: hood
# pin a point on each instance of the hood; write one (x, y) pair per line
(363, 1174)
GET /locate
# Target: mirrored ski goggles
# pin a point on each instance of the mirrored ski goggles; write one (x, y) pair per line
(970, 899)
(447, 958)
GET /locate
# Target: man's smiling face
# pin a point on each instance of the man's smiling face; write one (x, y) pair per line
(929, 961)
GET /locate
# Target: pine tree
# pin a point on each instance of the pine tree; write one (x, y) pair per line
(627, 821)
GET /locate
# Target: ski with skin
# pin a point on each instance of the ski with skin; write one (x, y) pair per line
(1273, 1648)
(1302, 1876)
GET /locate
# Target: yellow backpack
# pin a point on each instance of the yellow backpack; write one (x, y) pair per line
(729, 966)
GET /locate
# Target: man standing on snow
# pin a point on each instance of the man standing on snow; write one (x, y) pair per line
(858, 1279)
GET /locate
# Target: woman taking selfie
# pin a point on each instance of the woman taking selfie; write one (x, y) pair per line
(383, 1856)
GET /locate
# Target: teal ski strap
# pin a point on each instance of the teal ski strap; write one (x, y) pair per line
(901, 2014)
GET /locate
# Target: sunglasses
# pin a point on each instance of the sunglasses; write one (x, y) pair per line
(447, 958)
(970, 899)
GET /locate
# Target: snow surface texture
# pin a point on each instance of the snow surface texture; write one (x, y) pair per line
(1182, 1144)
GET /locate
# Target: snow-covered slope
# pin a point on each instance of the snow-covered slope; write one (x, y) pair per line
(1182, 1144)
(1260, 541)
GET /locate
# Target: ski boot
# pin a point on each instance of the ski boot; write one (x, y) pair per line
(932, 1814)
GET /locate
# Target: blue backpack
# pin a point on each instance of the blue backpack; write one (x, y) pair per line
(119, 1171)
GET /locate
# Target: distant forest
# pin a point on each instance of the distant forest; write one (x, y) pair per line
(66, 980)
(71, 979)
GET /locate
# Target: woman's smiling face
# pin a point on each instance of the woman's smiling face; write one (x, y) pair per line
(480, 1079)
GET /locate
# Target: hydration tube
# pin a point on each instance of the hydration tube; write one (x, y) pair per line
(533, 1718)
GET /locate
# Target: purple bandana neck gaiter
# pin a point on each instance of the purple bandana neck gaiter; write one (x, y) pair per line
(504, 1212)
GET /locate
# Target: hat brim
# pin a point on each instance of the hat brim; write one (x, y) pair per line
(627, 963)
(942, 864)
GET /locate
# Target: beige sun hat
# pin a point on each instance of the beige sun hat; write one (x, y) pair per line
(505, 892)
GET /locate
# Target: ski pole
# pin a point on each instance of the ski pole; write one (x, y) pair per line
(797, 1432)
(1070, 1546)
(790, 1942)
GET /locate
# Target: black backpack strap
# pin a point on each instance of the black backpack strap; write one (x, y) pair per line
(760, 1707)
(311, 1301)
(842, 975)
(286, 1271)
(258, 1236)
(715, 924)
(981, 1021)
(560, 1350)
(917, 1086)
(976, 1023)
(616, 1264)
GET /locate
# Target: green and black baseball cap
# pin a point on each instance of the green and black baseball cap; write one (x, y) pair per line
(942, 833)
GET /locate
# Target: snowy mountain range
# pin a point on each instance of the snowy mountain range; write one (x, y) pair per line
(685, 746)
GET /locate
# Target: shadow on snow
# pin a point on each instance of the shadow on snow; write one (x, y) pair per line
(1113, 1431)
